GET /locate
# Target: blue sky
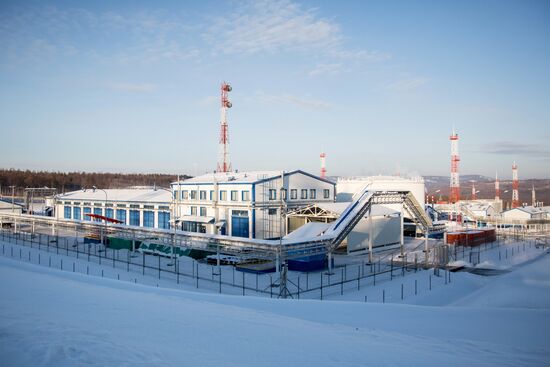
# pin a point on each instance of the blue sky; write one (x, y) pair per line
(377, 85)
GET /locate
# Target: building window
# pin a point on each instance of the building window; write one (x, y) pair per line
(203, 194)
(164, 207)
(283, 194)
(223, 195)
(293, 194)
(98, 211)
(326, 193)
(76, 213)
(313, 194)
(203, 211)
(135, 206)
(87, 210)
(234, 194)
(193, 210)
(272, 194)
(121, 215)
(76, 203)
(194, 227)
(193, 195)
(304, 194)
(109, 213)
(121, 205)
(148, 218)
(134, 217)
(184, 194)
(148, 207)
(211, 195)
(272, 211)
(164, 220)
(67, 212)
(176, 193)
(245, 195)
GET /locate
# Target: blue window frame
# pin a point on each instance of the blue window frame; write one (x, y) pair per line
(164, 220)
(223, 195)
(272, 194)
(109, 213)
(193, 195)
(148, 218)
(313, 194)
(193, 210)
(76, 213)
(121, 215)
(234, 195)
(245, 195)
(203, 211)
(184, 194)
(304, 194)
(211, 195)
(87, 210)
(67, 212)
(134, 217)
(326, 193)
(98, 211)
(175, 194)
(202, 194)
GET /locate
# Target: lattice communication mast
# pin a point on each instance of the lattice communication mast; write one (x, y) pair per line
(515, 186)
(455, 184)
(323, 157)
(224, 164)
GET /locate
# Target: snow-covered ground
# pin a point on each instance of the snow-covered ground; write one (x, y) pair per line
(50, 317)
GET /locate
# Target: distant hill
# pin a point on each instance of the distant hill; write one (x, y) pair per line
(70, 181)
(486, 187)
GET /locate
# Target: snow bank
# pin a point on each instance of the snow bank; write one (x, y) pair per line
(53, 318)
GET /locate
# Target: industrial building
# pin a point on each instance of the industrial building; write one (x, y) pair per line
(383, 226)
(246, 204)
(347, 187)
(7, 206)
(524, 213)
(143, 207)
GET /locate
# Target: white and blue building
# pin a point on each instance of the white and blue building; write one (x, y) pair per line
(246, 204)
(143, 207)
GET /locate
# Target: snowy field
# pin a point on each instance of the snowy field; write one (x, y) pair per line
(50, 317)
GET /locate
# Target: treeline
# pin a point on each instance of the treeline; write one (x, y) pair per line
(70, 181)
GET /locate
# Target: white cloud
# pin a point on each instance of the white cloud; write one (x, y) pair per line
(272, 26)
(327, 69)
(407, 84)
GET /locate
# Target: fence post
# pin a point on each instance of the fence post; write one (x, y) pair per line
(220, 281)
(61, 264)
(383, 296)
(415, 287)
(197, 275)
(342, 283)
(430, 282)
(270, 286)
(143, 263)
(73, 266)
(321, 286)
(374, 277)
(243, 283)
(359, 277)
(391, 274)
(159, 265)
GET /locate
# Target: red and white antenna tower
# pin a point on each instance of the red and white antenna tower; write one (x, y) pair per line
(323, 157)
(455, 184)
(497, 188)
(515, 186)
(474, 194)
(224, 165)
